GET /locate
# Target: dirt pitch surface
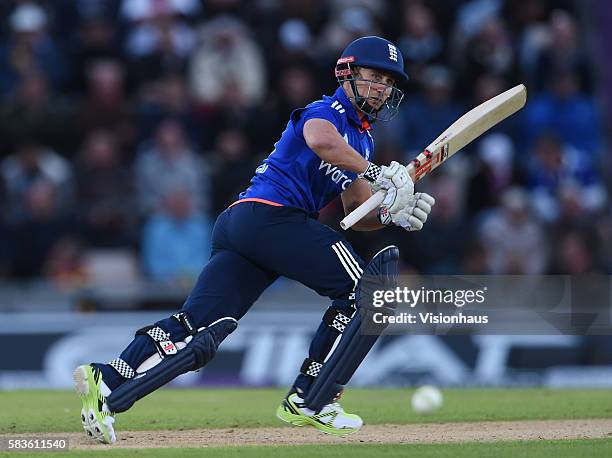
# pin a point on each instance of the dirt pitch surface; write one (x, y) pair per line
(374, 434)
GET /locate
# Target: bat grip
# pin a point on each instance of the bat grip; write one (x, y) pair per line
(361, 211)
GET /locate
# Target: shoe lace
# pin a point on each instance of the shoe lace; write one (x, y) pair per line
(336, 406)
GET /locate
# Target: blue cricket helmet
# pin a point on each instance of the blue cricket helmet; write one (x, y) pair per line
(375, 52)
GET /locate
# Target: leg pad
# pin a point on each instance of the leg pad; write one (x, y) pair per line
(354, 345)
(198, 352)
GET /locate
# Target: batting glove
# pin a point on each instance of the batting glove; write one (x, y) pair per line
(393, 179)
(411, 217)
(386, 177)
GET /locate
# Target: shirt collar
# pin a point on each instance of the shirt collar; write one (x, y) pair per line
(341, 96)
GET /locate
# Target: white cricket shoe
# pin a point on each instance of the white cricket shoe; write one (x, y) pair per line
(331, 419)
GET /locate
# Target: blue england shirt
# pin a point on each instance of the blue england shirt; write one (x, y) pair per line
(294, 175)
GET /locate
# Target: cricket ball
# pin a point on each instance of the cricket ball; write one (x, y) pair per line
(426, 399)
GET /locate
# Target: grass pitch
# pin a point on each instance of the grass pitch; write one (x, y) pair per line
(58, 411)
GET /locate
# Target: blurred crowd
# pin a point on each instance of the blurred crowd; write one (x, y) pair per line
(126, 126)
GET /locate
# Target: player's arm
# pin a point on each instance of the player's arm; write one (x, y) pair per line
(357, 193)
(324, 139)
(400, 203)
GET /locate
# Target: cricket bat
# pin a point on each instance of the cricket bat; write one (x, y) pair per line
(468, 127)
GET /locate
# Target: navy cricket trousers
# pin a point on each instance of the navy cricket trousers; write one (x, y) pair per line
(252, 245)
(255, 243)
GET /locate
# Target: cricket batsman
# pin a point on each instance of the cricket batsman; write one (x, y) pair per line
(272, 230)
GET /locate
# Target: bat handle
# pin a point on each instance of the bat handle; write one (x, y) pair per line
(361, 211)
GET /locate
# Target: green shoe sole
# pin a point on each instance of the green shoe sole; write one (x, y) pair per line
(289, 413)
(96, 423)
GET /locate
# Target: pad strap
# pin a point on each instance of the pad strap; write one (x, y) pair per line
(336, 319)
(183, 318)
(164, 345)
(311, 367)
(123, 368)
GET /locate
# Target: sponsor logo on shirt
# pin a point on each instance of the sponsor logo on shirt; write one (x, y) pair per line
(335, 174)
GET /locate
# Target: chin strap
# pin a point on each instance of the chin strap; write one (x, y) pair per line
(362, 102)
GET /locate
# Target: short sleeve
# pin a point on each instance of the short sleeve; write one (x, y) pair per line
(316, 111)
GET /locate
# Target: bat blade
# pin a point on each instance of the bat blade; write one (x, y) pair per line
(459, 134)
(467, 128)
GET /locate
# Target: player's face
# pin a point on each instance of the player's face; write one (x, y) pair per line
(375, 85)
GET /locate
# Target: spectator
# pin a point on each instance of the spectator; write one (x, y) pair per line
(528, 22)
(490, 51)
(578, 252)
(71, 18)
(349, 24)
(165, 164)
(564, 54)
(37, 233)
(439, 250)
(472, 15)
(513, 239)
(106, 104)
(31, 164)
(169, 97)
(159, 39)
(297, 89)
(573, 213)
(34, 108)
(176, 239)
(295, 44)
(566, 111)
(142, 10)
(313, 12)
(30, 49)
(96, 40)
(227, 64)
(581, 240)
(555, 165)
(295, 38)
(424, 116)
(65, 266)
(233, 170)
(475, 258)
(104, 191)
(421, 44)
(493, 172)
(294, 88)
